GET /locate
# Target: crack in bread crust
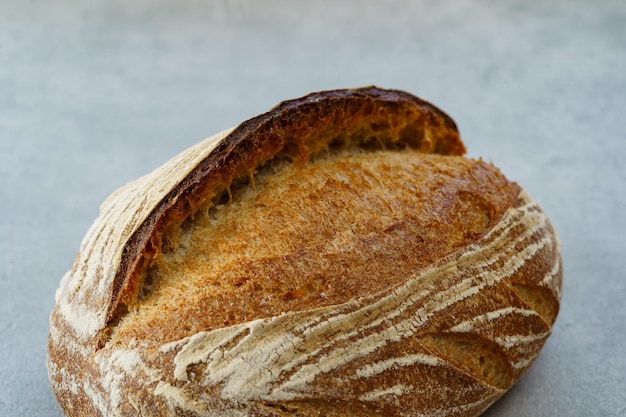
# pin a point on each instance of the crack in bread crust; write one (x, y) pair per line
(313, 235)
(368, 118)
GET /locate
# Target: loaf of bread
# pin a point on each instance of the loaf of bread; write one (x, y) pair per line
(335, 256)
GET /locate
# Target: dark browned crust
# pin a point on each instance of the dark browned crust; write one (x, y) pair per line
(297, 128)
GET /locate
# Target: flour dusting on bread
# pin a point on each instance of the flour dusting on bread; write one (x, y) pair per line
(334, 256)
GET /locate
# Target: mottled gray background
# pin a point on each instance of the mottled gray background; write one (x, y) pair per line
(96, 93)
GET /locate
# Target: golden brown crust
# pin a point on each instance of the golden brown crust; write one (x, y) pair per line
(301, 127)
(372, 230)
(434, 310)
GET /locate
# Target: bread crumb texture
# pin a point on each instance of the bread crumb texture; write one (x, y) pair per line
(336, 256)
(343, 227)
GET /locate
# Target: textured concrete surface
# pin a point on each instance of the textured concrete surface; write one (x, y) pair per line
(96, 93)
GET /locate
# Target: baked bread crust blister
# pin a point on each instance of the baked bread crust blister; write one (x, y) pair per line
(300, 299)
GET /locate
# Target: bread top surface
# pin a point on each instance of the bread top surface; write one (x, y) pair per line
(342, 226)
(141, 220)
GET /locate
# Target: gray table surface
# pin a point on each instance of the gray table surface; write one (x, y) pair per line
(96, 93)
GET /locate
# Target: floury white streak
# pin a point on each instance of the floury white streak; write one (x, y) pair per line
(272, 362)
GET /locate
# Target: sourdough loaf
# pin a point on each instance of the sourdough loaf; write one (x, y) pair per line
(335, 256)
